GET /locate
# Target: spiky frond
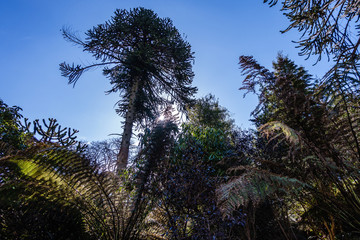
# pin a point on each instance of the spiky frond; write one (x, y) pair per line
(106, 204)
(73, 73)
(281, 129)
(254, 186)
(52, 132)
(71, 175)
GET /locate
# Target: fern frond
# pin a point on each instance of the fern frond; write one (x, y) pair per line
(78, 182)
(255, 186)
(287, 132)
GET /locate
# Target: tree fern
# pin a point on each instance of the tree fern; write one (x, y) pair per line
(52, 170)
(315, 125)
(254, 186)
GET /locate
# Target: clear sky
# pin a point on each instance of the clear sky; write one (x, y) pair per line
(219, 32)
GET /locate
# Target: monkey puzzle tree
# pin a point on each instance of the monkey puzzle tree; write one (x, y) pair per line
(147, 62)
(332, 28)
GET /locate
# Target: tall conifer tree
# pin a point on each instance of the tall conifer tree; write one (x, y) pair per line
(146, 60)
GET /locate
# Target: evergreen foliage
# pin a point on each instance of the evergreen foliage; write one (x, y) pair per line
(304, 152)
(147, 62)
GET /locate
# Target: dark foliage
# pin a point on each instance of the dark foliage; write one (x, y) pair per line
(302, 158)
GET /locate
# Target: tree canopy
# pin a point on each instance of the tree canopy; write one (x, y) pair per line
(147, 62)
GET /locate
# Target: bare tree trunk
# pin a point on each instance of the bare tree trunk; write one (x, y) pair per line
(122, 158)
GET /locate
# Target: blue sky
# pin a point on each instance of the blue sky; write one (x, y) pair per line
(219, 32)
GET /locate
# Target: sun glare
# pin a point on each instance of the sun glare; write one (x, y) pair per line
(161, 117)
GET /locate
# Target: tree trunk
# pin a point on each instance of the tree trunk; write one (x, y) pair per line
(122, 158)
